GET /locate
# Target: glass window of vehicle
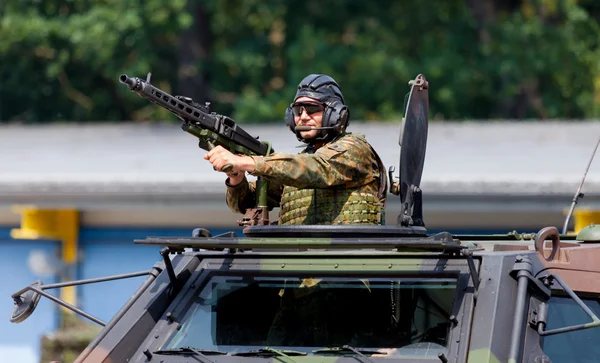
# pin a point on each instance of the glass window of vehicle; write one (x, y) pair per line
(580, 346)
(406, 316)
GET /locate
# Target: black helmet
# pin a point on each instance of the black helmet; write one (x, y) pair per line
(326, 90)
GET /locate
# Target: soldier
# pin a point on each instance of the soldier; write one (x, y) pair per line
(337, 179)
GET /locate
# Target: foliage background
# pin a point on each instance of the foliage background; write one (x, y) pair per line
(485, 59)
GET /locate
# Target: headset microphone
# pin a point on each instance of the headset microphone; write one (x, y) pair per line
(310, 128)
(338, 128)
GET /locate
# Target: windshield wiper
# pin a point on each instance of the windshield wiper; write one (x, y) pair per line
(190, 350)
(345, 349)
(269, 352)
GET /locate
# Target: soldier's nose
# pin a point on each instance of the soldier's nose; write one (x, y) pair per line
(304, 115)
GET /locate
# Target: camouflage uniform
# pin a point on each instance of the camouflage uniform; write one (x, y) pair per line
(339, 183)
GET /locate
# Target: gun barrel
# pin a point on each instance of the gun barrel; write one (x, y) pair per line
(131, 82)
(198, 120)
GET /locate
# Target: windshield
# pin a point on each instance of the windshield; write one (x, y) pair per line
(394, 315)
(573, 347)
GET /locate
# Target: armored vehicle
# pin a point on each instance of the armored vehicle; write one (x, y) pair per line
(324, 293)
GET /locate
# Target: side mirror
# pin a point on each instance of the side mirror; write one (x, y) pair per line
(25, 303)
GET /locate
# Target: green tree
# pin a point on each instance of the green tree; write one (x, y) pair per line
(484, 58)
(61, 59)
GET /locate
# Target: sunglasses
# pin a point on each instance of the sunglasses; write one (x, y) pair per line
(310, 108)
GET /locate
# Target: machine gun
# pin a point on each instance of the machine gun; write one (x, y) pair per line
(212, 130)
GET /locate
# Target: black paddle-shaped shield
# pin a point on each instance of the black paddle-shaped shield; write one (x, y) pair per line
(413, 136)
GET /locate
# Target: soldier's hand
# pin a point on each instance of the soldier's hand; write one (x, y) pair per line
(219, 157)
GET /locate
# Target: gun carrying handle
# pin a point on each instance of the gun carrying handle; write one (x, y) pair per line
(227, 168)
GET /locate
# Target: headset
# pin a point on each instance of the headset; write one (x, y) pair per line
(336, 114)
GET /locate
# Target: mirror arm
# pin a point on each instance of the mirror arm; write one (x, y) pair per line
(38, 288)
(65, 304)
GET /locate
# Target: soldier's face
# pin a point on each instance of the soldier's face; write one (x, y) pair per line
(308, 112)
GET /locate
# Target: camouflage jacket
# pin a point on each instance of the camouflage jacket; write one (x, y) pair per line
(348, 162)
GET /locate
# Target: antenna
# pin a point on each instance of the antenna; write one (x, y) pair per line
(578, 193)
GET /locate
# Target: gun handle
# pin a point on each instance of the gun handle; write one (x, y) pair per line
(227, 168)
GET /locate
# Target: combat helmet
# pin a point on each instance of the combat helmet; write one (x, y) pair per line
(336, 114)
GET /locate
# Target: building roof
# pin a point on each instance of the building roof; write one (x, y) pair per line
(145, 163)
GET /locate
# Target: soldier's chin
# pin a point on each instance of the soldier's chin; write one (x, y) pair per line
(309, 134)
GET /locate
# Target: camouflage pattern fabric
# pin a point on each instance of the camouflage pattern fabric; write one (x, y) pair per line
(342, 174)
(243, 196)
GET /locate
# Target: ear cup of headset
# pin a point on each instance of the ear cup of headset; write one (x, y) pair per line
(344, 116)
(289, 118)
(336, 113)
